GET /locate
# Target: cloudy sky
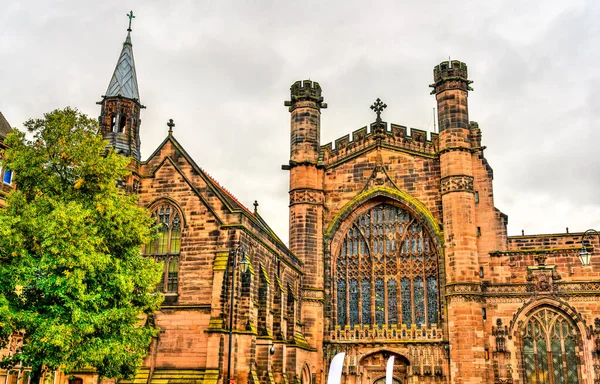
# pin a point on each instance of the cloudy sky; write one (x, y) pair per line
(222, 70)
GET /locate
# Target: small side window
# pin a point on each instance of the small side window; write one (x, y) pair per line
(7, 178)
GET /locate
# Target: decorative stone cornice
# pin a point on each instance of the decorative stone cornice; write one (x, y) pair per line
(307, 196)
(458, 183)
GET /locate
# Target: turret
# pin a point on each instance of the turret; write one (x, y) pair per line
(451, 89)
(120, 112)
(305, 107)
(306, 205)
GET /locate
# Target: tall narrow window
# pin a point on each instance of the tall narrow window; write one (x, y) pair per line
(392, 302)
(419, 301)
(406, 302)
(549, 353)
(379, 302)
(165, 247)
(387, 264)
(366, 301)
(354, 318)
(432, 300)
(173, 275)
(341, 302)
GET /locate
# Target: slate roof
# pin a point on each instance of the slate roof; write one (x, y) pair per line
(124, 79)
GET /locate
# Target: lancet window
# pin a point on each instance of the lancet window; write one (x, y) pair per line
(166, 246)
(386, 271)
(550, 349)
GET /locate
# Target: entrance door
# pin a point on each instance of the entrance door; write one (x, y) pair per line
(381, 380)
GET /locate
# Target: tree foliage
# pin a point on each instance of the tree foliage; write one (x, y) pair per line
(72, 276)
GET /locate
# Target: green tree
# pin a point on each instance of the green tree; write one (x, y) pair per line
(72, 276)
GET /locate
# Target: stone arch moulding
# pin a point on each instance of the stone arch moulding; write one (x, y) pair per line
(551, 302)
(519, 321)
(365, 200)
(175, 204)
(401, 364)
(401, 354)
(305, 374)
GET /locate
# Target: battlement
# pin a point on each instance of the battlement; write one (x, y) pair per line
(396, 137)
(306, 90)
(450, 74)
(448, 69)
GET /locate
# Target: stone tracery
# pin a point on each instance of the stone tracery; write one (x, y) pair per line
(386, 271)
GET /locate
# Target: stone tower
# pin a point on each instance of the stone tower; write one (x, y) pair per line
(306, 202)
(120, 110)
(451, 89)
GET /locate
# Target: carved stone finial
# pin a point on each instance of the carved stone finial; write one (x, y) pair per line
(378, 107)
(255, 206)
(130, 15)
(170, 124)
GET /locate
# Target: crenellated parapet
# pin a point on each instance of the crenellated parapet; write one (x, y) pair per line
(450, 75)
(305, 91)
(397, 137)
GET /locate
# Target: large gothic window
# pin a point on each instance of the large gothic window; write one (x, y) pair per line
(386, 271)
(549, 349)
(165, 247)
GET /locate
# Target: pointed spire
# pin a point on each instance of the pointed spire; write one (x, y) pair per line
(124, 79)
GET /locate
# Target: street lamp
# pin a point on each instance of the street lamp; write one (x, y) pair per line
(584, 255)
(243, 268)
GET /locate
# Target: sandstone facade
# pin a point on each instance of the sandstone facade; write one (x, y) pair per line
(396, 249)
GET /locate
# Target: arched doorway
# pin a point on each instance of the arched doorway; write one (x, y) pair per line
(305, 376)
(381, 380)
(373, 367)
(550, 343)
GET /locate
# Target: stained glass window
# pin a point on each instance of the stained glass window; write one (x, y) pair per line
(341, 302)
(406, 302)
(392, 302)
(167, 245)
(432, 300)
(379, 302)
(387, 261)
(419, 301)
(353, 303)
(366, 301)
(549, 354)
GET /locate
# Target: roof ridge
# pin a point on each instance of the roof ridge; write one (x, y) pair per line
(225, 190)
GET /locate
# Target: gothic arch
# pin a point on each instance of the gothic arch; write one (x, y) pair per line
(399, 357)
(305, 377)
(549, 347)
(165, 199)
(565, 308)
(381, 380)
(349, 210)
(373, 365)
(385, 265)
(165, 248)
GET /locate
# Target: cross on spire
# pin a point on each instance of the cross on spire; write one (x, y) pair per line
(170, 124)
(378, 107)
(130, 15)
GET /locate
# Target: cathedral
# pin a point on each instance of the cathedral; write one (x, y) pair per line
(395, 249)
